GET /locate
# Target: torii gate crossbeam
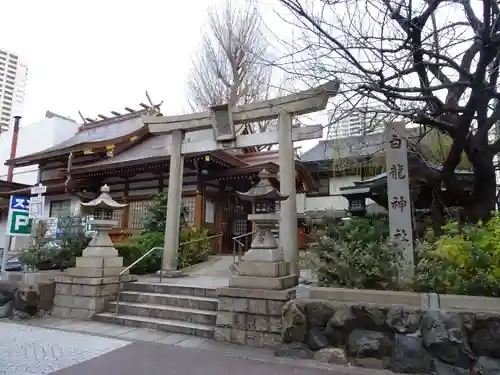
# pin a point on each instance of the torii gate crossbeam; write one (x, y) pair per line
(222, 119)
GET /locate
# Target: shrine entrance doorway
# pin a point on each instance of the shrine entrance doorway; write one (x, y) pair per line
(235, 223)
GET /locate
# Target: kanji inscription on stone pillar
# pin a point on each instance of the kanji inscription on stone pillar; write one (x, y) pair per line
(398, 191)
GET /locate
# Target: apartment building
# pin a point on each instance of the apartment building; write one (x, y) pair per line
(356, 122)
(13, 77)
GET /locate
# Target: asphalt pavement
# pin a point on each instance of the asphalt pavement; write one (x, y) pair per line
(57, 346)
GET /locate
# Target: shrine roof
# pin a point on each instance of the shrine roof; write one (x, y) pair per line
(91, 134)
(349, 147)
(366, 186)
(262, 157)
(148, 150)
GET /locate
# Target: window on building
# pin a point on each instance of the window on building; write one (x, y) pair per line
(137, 213)
(189, 204)
(60, 208)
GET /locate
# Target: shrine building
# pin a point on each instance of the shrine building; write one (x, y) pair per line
(120, 151)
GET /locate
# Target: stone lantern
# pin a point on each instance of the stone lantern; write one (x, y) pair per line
(250, 308)
(263, 266)
(264, 197)
(84, 290)
(101, 209)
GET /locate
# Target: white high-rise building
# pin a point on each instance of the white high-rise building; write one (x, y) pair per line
(13, 77)
(358, 122)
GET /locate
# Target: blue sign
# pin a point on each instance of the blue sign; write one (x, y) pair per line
(20, 203)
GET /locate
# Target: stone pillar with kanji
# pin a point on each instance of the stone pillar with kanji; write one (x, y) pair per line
(250, 308)
(85, 289)
(398, 193)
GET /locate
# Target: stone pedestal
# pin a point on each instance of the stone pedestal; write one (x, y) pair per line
(85, 289)
(249, 311)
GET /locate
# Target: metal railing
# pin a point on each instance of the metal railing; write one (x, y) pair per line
(236, 240)
(126, 269)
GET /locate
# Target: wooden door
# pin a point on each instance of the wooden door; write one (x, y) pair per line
(235, 221)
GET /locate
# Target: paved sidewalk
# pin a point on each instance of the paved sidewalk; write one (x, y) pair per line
(68, 347)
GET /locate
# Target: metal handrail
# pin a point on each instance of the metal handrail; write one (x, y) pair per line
(161, 264)
(236, 240)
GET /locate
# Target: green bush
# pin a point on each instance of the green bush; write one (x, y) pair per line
(51, 253)
(134, 248)
(188, 254)
(196, 251)
(356, 253)
(156, 216)
(152, 235)
(463, 260)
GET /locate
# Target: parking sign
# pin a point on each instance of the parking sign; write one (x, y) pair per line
(18, 222)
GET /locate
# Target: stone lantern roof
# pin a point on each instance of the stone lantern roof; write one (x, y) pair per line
(103, 201)
(264, 190)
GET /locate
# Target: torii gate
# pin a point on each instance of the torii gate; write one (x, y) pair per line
(222, 119)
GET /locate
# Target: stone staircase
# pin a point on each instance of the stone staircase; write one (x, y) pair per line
(172, 308)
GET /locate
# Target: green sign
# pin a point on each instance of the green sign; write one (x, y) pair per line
(18, 222)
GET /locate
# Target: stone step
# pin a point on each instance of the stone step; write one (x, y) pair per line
(167, 325)
(170, 289)
(202, 303)
(184, 314)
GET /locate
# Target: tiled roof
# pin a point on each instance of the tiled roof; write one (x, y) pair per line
(152, 147)
(101, 133)
(109, 128)
(351, 147)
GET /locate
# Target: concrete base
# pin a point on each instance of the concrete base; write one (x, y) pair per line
(251, 317)
(249, 311)
(86, 289)
(82, 297)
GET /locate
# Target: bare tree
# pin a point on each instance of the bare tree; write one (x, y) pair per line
(432, 62)
(232, 64)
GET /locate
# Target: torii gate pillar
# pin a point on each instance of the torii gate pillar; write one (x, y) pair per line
(288, 211)
(174, 202)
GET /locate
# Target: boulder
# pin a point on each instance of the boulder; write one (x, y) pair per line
(294, 322)
(441, 368)
(444, 336)
(485, 339)
(316, 339)
(318, 313)
(336, 356)
(401, 320)
(340, 325)
(341, 318)
(369, 317)
(486, 366)
(295, 350)
(363, 343)
(26, 301)
(469, 319)
(408, 355)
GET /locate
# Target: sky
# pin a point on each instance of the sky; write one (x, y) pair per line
(97, 56)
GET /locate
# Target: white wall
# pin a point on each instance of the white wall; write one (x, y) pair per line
(33, 138)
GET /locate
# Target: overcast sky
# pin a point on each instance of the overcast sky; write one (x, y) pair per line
(96, 56)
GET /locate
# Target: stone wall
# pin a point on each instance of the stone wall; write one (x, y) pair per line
(251, 317)
(82, 297)
(401, 339)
